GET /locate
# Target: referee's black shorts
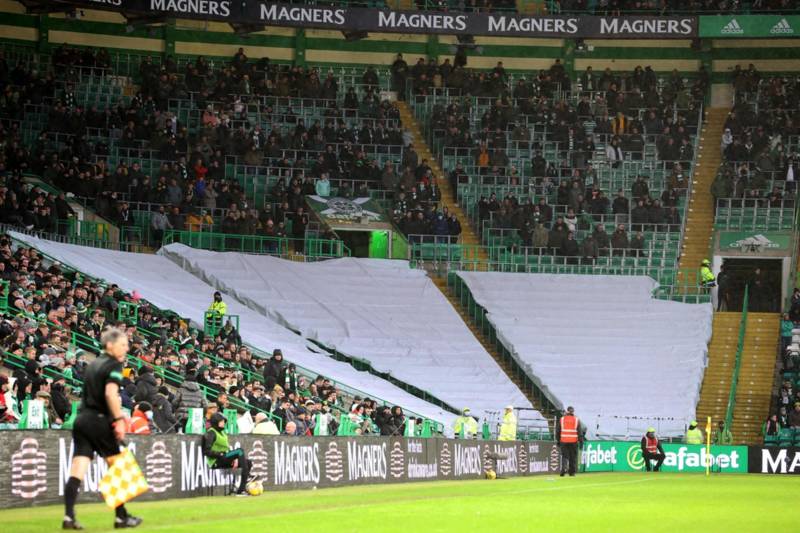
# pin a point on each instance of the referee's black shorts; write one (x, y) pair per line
(92, 433)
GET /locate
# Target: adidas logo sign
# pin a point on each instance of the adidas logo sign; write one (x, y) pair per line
(782, 27)
(732, 28)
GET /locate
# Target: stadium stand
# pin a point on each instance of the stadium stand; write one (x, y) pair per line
(755, 189)
(517, 158)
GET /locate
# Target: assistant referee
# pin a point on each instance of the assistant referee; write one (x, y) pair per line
(100, 424)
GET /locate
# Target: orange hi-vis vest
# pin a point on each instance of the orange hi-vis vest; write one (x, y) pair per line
(138, 424)
(569, 428)
(651, 444)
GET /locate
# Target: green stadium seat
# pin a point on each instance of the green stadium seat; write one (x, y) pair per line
(786, 437)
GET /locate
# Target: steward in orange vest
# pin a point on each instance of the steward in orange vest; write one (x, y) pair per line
(139, 422)
(652, 450)
(568, 435)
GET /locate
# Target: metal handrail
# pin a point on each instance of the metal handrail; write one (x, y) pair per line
(256, 244)
(738, 361)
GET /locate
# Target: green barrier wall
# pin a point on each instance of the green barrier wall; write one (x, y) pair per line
(623, 456)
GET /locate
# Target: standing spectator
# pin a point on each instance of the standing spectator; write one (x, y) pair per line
(723, 435)
(299, 224)
(794, 416)
(323, 186)
(771, 426)
(786, 332)
(189, 396)
(274, 370)
(160, 223)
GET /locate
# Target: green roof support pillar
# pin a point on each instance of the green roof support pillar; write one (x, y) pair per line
(300, 47)
(170, 36)
(432, 47)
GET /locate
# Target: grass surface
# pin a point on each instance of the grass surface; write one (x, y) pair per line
(593, 502)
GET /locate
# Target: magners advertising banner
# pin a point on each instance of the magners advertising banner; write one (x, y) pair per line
(34, 465)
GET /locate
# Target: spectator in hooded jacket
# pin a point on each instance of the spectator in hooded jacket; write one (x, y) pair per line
(274, 370)
(146, 386)
(189, 396)
(163, 417)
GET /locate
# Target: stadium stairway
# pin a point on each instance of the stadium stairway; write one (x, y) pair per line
(754, 393)
(468, 236)
(441, 284)
(721, 358)
(700, 219)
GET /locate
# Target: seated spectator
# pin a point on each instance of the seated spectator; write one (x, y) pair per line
(794, 416)
(139, 422)
(264, 425)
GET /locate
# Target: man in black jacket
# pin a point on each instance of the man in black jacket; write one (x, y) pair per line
(274, 370)
(146, 387)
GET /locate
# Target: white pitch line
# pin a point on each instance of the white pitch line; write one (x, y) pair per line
(575, 487)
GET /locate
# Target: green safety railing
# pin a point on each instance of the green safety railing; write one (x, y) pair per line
(5, 292)
(214, 322)
(94, 234)
(257, 244)
(447, 257)
(15, 361)
(738, 361)
(86, 229)
(128, 312)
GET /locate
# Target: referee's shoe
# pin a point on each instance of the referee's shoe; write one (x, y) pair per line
(128, 521)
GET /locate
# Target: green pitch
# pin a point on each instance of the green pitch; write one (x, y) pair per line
(588, 503)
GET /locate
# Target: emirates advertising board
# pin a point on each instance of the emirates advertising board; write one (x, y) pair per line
(34, 465)
(626, 456)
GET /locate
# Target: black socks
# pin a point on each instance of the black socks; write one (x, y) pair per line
(71, 496)
(121, 513)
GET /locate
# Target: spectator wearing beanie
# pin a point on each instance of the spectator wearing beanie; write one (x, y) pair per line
(163, 417)
(189, 396)
(146, 386)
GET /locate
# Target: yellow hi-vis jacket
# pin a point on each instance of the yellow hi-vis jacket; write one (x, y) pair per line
(469, 425)
(508, 429)
(218, 307)
(694, 436)
(706, 275)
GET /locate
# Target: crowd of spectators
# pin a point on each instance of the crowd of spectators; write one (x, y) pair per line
(760, 141)
(172, 367)
(505, 146)
(239, 112)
